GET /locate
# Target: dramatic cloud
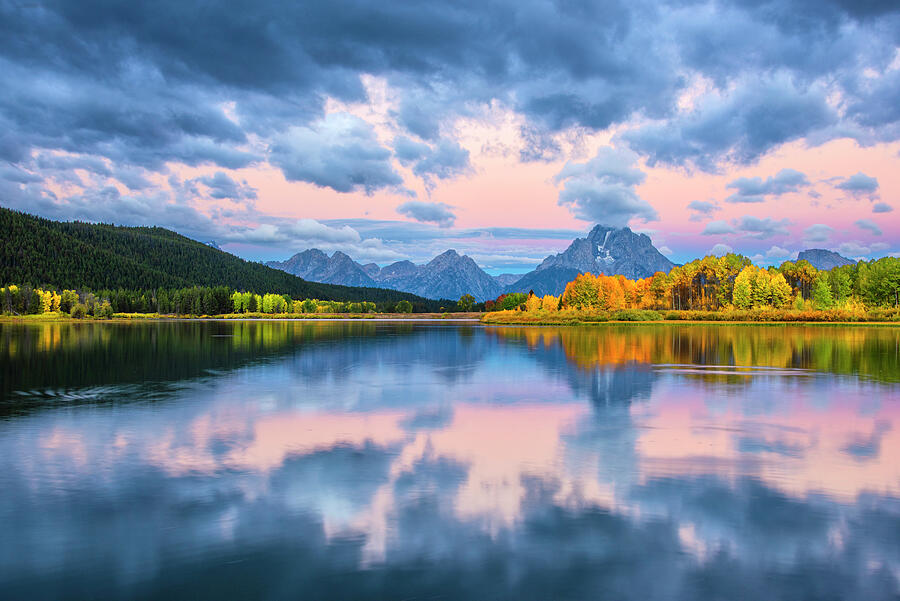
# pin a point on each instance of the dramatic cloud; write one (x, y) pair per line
(340, 152)
(739, 127)
(868, 224)
(341, 95)
(221, 187)
(538, 145)
(601, 190)
(446, 160)
(428, 212)
(755, 189)
(858, 185)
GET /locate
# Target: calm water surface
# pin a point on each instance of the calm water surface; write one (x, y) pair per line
(289, 460)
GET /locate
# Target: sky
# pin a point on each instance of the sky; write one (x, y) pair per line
(397, 130)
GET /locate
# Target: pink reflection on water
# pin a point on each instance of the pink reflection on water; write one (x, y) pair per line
(838, 442)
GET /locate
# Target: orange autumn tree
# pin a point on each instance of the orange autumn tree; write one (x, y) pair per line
(582, 293)
(601, 292)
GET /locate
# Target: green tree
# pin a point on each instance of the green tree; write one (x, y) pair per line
(841, 286)
(762, 288)
(821, 293)
(781, 291)
(237, 300)
(69, 298)
(742, 297)
(404, 306)
(465, 302)
(105, 310)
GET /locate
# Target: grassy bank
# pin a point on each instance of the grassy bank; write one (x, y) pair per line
(578, 317)
(126, 317)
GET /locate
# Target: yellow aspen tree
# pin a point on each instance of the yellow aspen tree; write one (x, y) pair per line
(532, 303)
(550, 303)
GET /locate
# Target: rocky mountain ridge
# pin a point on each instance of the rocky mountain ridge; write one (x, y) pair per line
(450, 275)
(823, 259)
(607, 250)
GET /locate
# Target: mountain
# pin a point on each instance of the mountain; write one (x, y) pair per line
(450, 275)
(447, 276)
(552, 280)
(506, 279)
(396, 274)
(80, 255)
(316, 266)
(823, 259)
(607, 250)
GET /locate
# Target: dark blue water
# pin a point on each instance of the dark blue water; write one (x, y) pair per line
(285, 460)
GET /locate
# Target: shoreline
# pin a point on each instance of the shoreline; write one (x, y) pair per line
(151, 317)
(685, 322)
(468, 318)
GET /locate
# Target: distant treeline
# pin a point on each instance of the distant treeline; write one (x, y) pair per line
(726, 283)
(74, 255)
(197, 300)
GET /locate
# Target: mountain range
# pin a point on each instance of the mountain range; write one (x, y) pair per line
(450, 275)
(607, 250)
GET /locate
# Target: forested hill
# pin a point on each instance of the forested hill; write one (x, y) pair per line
(74, 255)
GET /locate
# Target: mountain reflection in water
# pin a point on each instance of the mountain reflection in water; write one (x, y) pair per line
(284, 460)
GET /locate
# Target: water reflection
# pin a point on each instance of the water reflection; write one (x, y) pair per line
(381, 461)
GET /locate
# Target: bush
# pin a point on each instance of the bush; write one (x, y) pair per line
(78, 311)
(104, 311)
(636, 315)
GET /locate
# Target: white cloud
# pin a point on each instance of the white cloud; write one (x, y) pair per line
(720, 249)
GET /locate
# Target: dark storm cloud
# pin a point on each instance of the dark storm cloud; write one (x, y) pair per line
(340, 152)
(231, 84)
(221, 187)
(445, 160)
(738, 128)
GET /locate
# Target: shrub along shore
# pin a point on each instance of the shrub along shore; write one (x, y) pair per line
(56, 316)
(581, 317)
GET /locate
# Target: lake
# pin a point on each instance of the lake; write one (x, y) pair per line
(371, 460)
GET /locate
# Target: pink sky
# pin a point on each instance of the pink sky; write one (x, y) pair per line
(504, 192)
